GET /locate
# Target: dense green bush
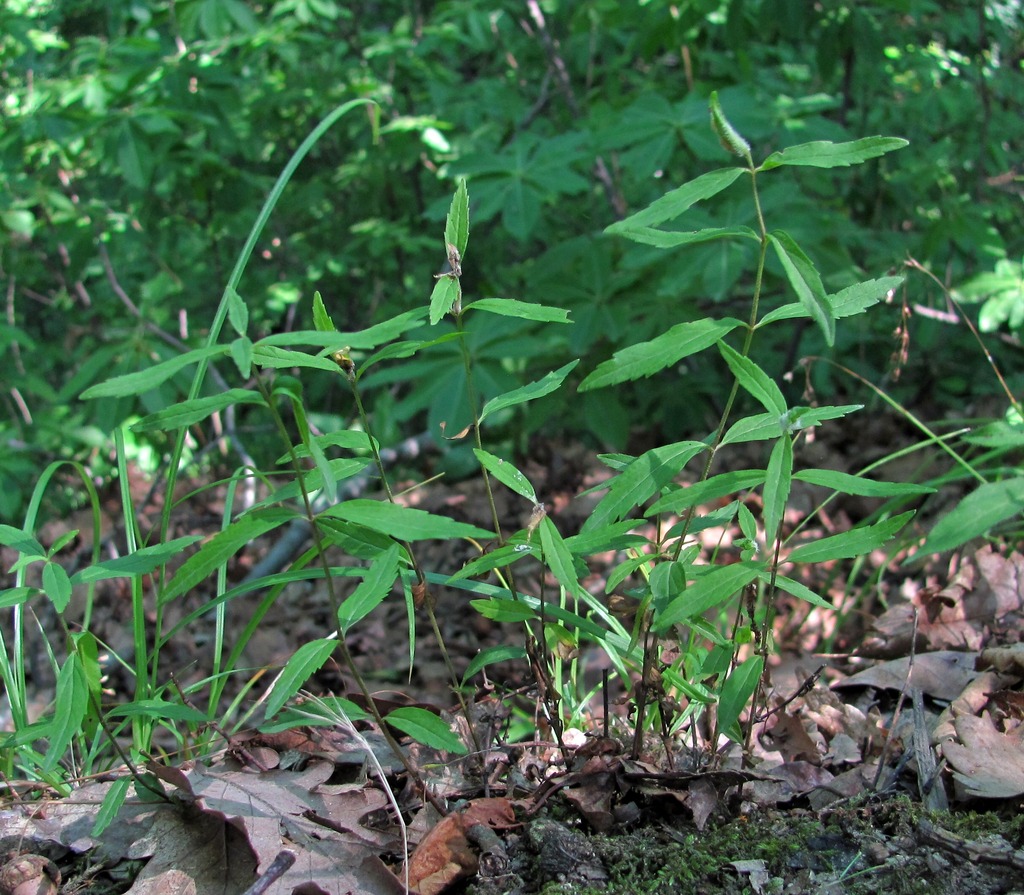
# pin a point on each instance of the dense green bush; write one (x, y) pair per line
(138, 139)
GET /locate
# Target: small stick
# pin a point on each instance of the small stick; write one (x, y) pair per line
(273, 873)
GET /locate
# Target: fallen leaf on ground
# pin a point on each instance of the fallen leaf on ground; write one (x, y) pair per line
(986, 764)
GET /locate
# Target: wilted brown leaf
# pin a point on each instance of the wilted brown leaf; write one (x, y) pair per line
(986, 764)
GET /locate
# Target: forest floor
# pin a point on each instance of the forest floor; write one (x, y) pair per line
(888, 754)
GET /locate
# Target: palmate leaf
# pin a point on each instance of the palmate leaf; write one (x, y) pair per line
(647, 358)
(825, 154)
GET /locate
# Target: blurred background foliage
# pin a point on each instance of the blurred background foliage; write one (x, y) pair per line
(140, 139)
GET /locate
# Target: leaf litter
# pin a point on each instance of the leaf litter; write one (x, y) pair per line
(929, 706)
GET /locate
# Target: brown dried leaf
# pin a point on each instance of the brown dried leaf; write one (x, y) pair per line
(942, 675)
(986, 764)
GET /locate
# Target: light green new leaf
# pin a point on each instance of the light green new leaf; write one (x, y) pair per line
(758, 427)
(798, 590)
(404, 523)
(507, 474)
(524, 310)
(148, 379)
(826, 154)
(640, 480)
(754, 379)
(111, 805)
(848, 544)
(494, 559)
(777, 484)
(220, 548)
(306, 661)
(647, 358)
(859, 297)
(708, 491)
(500, 610)
(857, 485)
(714, 587)
(676, 201)
(736, 692)
(456, 225)
(372, 590)
(806, 282)
(426, 728)
(186, 413)
(321, 319)
(976, 515)
(528, 392)
(442, 299)
(141, 562)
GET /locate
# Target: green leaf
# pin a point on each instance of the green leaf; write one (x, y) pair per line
(20, 540)
(647, 358)
(528, 392)
(306, 661)
(72, 699)
(716, 586)
(274, 358)
(798, 590)
(615, 536)
(151, 377)
(825, 154)
(238, 311)
(806, 282)
(57, 585)
(442, 299)
(977, 514)
(675, 202)
(857, 485)
(708, 491)
(848, 544)
(494, 559)
(736, 693)
(500, 610)
(456, 225)
(859, 297)
(111, 804)
(727, 135)
(557, 556)
(668, 580)
(221, 548)
(321, 319)
(186, 413)
(16, 596)
(507, 474)
(777, 484)
(754, 379)
(670, 239)
(491, 656)
(404, 523)
(524, 310)
(372, 590)
(757, 427)
(159, 708)
(241, 354)
(426, 728)
(141, 562)
(644, 477)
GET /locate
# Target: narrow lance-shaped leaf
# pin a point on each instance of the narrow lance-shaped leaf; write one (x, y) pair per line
(523, 310)
(675, 202)
(825, 154)
(736, 694)
(777, 485)
(238, 311)
(806, 282)
(442, 299)
(648, 358)
(713, 588)
(976, 514)
(528, 392)
(754, 379)
(141, 562)
(306, 661)
(187, 413)
(456, 226)
(670, 239)
(848, 544)
(372, 590)
(507, 474)
(151, 377)
(426, 728)
(321, 319)
(405, 523)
